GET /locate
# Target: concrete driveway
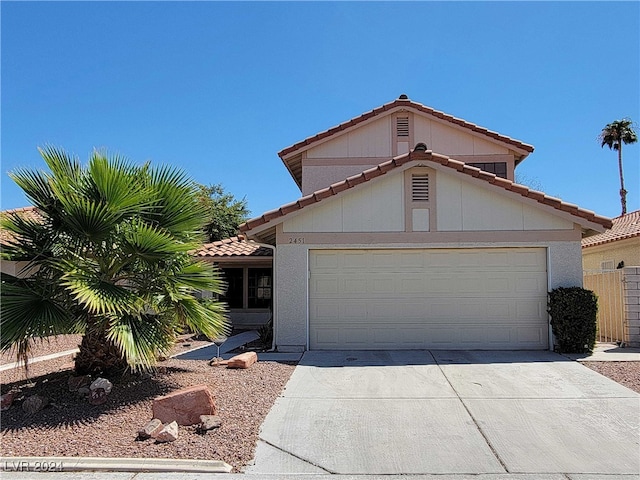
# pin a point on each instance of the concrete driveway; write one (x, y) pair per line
(449, 412)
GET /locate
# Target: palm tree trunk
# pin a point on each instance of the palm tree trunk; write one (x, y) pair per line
(623, 192)
(98, 355)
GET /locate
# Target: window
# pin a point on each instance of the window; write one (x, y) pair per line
(234, 296)
(606, 265)
(247, 287)
(497, 168)
(259, 288)
(420, 187)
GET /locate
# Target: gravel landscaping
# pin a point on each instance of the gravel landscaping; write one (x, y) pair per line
(625, 373)
(70, 426)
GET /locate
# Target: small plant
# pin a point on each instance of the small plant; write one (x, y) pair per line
(573, 313)
(265, 333)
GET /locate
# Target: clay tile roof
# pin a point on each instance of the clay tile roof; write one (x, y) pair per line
(28, 213)
(624, 226)
(417, 155)
(233, 247)
(405, 102)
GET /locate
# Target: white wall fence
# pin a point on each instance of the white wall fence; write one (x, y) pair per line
(618, 294)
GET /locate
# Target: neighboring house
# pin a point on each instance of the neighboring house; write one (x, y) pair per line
(247, 268)
(411, 234)
(17, 269)
(615, 248)
(611, 262)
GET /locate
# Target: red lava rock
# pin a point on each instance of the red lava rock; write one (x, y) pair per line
(185, 406)
(78, 382)
(244, 360)
(98, 396)
(6, 400)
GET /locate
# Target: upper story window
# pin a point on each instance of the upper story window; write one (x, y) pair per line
(498, 168)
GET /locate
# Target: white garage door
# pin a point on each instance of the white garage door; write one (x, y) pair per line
(432, 298)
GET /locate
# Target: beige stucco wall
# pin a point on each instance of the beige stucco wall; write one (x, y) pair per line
(372, 143)
(292, 314)
(370, 140)
(374, 207)
(460, 205)
(317, 177)
(449, 140)
(627, 251)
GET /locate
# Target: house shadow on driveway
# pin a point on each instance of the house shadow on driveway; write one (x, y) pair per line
(380, 358)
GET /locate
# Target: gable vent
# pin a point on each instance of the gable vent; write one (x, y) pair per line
(402, 126)
(420, 188)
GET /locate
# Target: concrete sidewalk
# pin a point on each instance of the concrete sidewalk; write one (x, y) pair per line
(207, 352)
(607, 352)
(238, 476)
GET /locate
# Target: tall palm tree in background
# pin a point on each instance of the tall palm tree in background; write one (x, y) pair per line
(108, 257)
(614, 135)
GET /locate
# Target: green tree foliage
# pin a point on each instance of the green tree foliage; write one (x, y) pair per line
(223, 211)
(110, 251)
(614, 135)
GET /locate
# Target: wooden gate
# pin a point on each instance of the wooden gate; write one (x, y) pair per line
(609, 287)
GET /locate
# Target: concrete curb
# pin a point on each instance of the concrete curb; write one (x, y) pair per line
(51, 356)
(95, 464)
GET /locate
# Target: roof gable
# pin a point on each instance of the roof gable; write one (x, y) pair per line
(422, 156)
(292, 158)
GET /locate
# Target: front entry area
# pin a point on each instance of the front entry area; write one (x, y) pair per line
(465, 298)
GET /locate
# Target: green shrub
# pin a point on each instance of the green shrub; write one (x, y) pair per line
(573, 318)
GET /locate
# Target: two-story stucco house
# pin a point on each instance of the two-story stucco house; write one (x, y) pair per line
(411, 233)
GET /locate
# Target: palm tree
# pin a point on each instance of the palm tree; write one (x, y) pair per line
(614, 135)
(109, 258)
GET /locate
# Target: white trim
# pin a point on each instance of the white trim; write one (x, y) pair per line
(307, 313)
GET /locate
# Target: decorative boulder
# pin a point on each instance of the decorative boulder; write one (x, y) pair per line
(185, 406)
(244, 360)
(209, 422)
(151, 429)
(34, 404)
(169, 433)
(102, 383)
(98, 396)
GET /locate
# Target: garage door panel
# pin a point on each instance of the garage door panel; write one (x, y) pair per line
(458, 298)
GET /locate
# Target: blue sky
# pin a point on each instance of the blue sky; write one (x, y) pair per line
(218, 88)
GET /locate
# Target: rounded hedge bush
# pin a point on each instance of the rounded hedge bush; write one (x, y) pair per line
(573, 313)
